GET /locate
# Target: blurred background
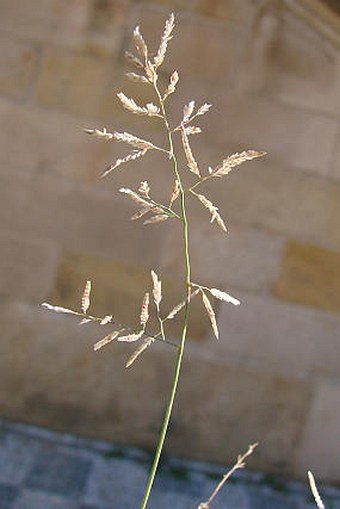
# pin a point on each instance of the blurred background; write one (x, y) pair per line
(271, 69)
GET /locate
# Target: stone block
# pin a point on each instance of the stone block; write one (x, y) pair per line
(233, 406)
(70, 23)
(310, 275)
(245, 258)
(91, 219)
(80, 82)
(18, 67)
(27, 267)
(278, 337)
(317, 447)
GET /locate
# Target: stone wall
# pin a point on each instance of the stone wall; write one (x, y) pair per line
(274, 376)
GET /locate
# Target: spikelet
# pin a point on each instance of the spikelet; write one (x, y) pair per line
(138, 78)
(107, 319)
(135, 141)
(141, 47)
(132, 59)
(102, 342)
(192, 130)
(144, 313)
(85, 299)
(58, 309)
(175, 193)
(134, 196)
(211, 314)
(100, 134)
(130, 338)
(187, 111)
(151, 72)
(315, 491)
(144, 188)
(146, 343)
(140, 213)
(192, 164)
(169, 26)
(212, 209)
(172, 85)
(157, 289)
(156, 219)
(85, 321)
(179, 307)
(203, 109)
(129, 104)
(235, 160)
(224, 296)
(136, 154)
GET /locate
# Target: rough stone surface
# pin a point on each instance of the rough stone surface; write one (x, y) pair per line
(310, 275)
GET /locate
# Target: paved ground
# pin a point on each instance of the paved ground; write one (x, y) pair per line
(40, 469)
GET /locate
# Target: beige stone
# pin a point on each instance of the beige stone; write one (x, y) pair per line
(310, 275)
(245, 258)
(18, 67)
(27, 267)
(318, 447)
(276, 337)
(233, 406)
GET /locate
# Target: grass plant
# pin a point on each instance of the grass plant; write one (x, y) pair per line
(150, 210)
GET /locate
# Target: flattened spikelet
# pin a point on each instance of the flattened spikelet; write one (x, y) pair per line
(211, 314)
(134, 141)
(141, 47)
(107, 319)
(136, 154)
(212, 209)
(129, 104)
(224, 296)
(172, 85)
(169, 26)
(192, 130)
(102, 342)
(156, 219)
(144, 188)
(174, 193)
(141, 213)
(138, 78)
(132, 59)
(58, 309)
(130, 338)
(100, 134)
(144, 313)
(85, 299)
(179, 307)
(235, 160)
(157, 289)
(134, 196)
(187, 111)
(192, 164)
(146, 343)
(203, 109)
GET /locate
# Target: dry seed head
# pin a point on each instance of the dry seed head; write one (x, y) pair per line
(129, 104)
(107, 319)
(146, 343)
(175, 192)
(132, 59)
(169, 26)
(172, 85)
(187, 111)
(85, 300)
(138, 78)
(192, 164)
(235, 160)
(58, 309)
(203, 109)
(156, 219)
(100, 134)
(136, 154)
(157, 289)
(102, 342)
(134, 196)
(192, 130)
(224, 296)
(144, 314)
(141, 47)
(140, 213)
(180, 306)
(144, 188)
(85, 321)
(130, 338)
(213, 211)
(211, 313)
(135, 141)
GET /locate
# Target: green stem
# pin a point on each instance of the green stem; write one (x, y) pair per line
(180, 352)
